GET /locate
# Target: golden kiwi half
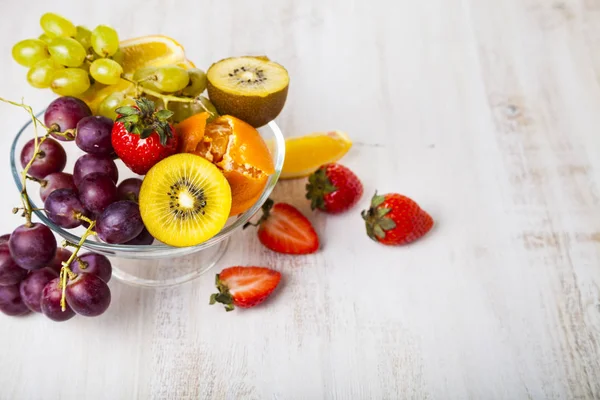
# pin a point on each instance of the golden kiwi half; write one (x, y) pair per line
(253, 89)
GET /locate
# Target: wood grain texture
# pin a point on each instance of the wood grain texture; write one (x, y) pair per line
(485, 112)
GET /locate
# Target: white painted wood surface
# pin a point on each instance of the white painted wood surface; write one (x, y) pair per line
(484, 111)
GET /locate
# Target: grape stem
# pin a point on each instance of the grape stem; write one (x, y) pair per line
(27, 209)
(166, 98)
(65, 272)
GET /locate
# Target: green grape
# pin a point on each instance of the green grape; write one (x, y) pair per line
(42, 73)
(56, 26)
(197, 83)
(29, 51)
(167, 79)
(45, 38)
(118, 56)
(70, 82)
(182, 110)
(84, 36)
(105, 40)
(106, 71)
(113, 101)
(67, 51)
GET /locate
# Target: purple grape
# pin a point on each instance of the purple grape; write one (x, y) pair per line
(50, 303)
(90, 163)
(65, 112)
(31, 288)
(94, 135)
(32, 247)
(64, 208)
(62, 255)
(143, 239)
(96, 192)
(129, 189)
(88, 295)
(52, 158)
(120, 222)
(96, 264)
(4, 238)
(10, 272)
(11, 302)
(57, 180)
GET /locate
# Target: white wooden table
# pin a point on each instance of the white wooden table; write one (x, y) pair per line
(486, 112)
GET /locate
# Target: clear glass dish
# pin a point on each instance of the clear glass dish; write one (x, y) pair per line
(157, 264)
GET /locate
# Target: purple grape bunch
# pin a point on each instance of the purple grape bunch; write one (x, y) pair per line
(31, 263)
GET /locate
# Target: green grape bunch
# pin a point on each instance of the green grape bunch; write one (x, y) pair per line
(68, 59)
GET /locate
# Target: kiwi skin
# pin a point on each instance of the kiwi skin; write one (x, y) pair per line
(255, 110)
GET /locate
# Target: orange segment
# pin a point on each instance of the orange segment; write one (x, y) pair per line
(152, 50)
(241, 153)
(191, 132)
(187, 64)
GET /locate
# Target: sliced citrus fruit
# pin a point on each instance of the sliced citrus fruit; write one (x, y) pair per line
(184, 200)
(191, 132)
(152, 50)
(305, 154)
(187, 64)
(242, 155)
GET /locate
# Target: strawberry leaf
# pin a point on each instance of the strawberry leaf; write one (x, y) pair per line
(127, 110)
(163, 115)
(377, 200)
(146, 132)
(381, 212)
(387, 223)
(378, 231)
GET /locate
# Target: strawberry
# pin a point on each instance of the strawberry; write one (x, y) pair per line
(284, 229)
(333, 188)
(244, 287)
(395, 219)
(142, 136)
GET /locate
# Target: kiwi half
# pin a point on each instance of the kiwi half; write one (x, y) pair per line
(252, 89)
(184, 200)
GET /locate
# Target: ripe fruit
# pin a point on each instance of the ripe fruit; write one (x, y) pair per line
(67, 51)
(394, 219)
(249, 88)
(32, 247)
(284, 229)
(54, 181)
(88, 295)
(70, 82)
(182, 111)
(104, 40)
(191, 132)
(64, 208)
(333, 188)
(120, 222)
(244, 287)
(197, 83)
(50, 302)
(55, 25)
(52, 158)
(62, 255)
(11, 302)
(92, 263)
(243, 157)
(129, 189)
(142, 136)
(31, 288)
(90, 163)
(96, 192)
(10, 272)
(28, 52)
(305, 154)
(64, 113)
(152, 50)
(143, 239)
(166, 79)
(184, 200)
(94, 135)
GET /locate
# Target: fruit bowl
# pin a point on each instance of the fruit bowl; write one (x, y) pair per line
(157, 264)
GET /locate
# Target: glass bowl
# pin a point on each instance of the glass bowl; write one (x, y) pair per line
(157, 264)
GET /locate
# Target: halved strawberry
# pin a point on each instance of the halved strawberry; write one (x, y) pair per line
(284, 229)
(244, 287)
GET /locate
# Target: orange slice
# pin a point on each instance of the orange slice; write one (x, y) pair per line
(152, 50)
